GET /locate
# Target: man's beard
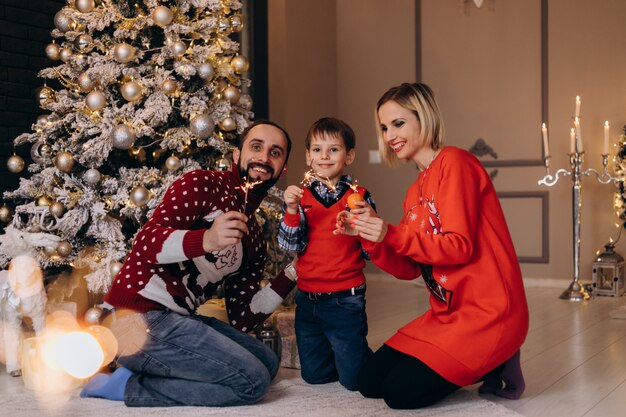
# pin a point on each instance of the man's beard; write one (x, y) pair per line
(247, 175)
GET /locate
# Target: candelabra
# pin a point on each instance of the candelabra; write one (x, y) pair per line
(575, 291)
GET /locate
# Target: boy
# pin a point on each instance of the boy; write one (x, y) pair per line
(330, 324)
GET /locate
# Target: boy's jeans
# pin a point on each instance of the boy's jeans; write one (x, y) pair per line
(331, 338)
(191, 360)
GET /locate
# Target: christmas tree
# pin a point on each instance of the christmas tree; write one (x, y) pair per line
(619, 202)
(144, 91)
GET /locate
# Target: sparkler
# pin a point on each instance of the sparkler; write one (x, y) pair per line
(311, 175)
(247, 186)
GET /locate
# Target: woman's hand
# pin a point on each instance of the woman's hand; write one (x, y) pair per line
(370, 227)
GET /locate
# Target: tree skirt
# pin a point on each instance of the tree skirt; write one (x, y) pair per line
(287, 397)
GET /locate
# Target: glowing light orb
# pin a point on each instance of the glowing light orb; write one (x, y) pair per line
(79, 354)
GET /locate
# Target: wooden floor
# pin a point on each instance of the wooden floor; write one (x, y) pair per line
(574, 358)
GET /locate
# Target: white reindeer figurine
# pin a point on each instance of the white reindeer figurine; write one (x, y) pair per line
(22, 293)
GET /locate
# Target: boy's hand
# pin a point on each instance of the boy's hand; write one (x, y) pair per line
(345, 224)
(293, 195)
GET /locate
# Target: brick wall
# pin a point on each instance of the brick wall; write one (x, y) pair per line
(25, 27)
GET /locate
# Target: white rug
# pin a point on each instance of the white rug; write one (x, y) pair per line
(287, 397)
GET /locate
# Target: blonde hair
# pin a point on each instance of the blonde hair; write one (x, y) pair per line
(420, 100)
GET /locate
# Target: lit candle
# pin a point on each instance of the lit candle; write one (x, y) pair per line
(544, 134)
(579, 138)
(577, 106)
(606, 138)
(572, 141)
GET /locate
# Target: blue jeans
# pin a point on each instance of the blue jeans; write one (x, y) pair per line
(331, 337)
(191, 360)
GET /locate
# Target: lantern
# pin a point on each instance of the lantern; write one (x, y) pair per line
(608, 272)
(268, 334)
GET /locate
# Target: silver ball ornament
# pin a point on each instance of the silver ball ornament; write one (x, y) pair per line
(162, 16)
(131, 91)
(240, 64)
(223, 24)
(83, 42)
(85, 6)
(232, 94)
(178, 48)
(140, 195)
(64, 161)
(42, 119)
(85, 83)
(123, 136)
(172, 163)
(245, 101)
(236, 23)
(15, 164)
(223, 165)
(92, 176)
(39, 152)
(57, 209)
(206, 71)
(169, 87)
(228, 124)
(6, 215)
(123, 53)
(53, 51)
(93, 315)
(50, 251)
(96, 100)
(66, 54)
(64, 248)
(62, 21)
(202, 126)
(115, 268)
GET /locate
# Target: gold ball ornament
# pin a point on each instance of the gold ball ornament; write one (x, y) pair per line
(172, 163)
(64, 248)
(169, 87)
(44, 201)
(140, 195)
(45, 96)
(85, 6)
(223, 24)
(96, 100)
(53, 51)
(245, 101)
(92, 176)
(85, 83)
(83, 42)
(43, 119)
(115, 268)
(79, 60)
(236, 23)
(64, 161)
(240, 64)
(162, 16)
(131, 91)
(123, 136)
(63, 22)
(228, 124)
(223, 164)
(15, 164)
(66, 54)
(178, 48)
(206, 71)
(57, 209)
(6, 215)
(93, 315)
(232, 94)
(123, 53)
(202, 125)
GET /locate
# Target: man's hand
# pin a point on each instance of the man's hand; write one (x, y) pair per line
(293, 195)
(227, 230)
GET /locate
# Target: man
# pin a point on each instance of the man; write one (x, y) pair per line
(202, 234)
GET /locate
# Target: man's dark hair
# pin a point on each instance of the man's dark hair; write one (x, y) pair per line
(330, 126)
(258, 122)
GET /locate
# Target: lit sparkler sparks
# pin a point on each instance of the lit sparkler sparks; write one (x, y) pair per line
(311, 176)
(247, 186)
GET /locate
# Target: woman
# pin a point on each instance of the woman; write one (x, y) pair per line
(454, 232)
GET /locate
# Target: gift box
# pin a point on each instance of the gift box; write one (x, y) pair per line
(289, 356)
(284, 321)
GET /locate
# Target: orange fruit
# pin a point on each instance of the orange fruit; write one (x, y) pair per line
(353, 199)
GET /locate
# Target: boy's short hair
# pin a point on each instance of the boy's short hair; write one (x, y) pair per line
(330, 126)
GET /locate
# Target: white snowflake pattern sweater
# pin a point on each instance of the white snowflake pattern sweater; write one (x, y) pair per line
(167, 267)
